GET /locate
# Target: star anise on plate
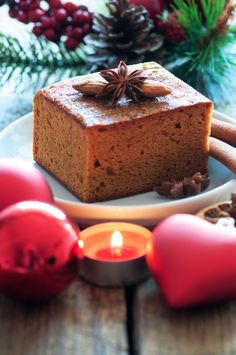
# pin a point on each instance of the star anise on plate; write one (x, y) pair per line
(122, 82)
(189, 186)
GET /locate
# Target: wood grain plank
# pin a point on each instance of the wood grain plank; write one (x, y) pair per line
(83, 320)
(163, 331)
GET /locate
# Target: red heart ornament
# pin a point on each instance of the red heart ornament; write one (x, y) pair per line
(193, 261)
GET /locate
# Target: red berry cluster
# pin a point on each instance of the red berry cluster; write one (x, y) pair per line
(172, 29)
(54, 19)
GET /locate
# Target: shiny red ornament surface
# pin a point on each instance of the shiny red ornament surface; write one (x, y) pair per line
(38, 251)
(20, 182)
(193, 261)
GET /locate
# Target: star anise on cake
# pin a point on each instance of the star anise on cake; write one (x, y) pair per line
(122, 82)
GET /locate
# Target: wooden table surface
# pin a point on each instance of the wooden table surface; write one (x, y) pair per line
(92, 321)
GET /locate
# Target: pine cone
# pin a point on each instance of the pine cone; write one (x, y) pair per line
(123, 35)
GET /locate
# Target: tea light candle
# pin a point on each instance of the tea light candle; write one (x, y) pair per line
(114, 254)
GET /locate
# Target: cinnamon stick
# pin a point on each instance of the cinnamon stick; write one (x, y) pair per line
(223, 152)
(224, 131)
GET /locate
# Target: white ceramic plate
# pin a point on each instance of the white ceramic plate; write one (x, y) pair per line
(146, 209)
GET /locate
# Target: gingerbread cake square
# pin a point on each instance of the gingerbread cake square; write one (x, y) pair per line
(101, 152)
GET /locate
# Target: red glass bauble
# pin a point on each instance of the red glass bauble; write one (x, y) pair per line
(38, 250)
(154, 7)
(193, 261)
(20, 182)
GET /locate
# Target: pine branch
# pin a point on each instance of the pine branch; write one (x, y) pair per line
(212, 71)
(38, 61)
(207, 59)
(212, 10)
(189, 18)
(38, 51)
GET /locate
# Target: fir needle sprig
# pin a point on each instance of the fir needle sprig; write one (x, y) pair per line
(24, 58)
(207, 58)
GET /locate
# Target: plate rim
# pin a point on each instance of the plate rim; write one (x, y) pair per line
(120, 208)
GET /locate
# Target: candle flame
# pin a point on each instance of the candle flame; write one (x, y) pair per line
(116, 243)
(81, 244)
